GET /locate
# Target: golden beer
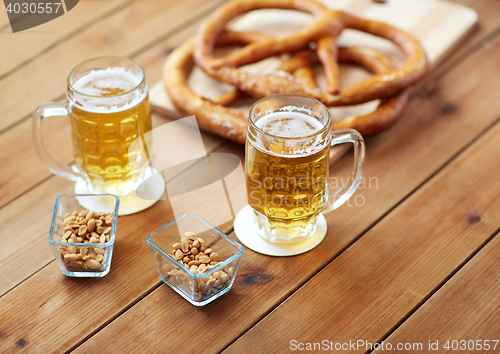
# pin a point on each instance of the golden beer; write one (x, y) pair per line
(287, 178)
(288, 140)
(109, 111)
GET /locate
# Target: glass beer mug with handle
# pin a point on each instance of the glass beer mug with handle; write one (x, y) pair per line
(287, 165)
(108, 106)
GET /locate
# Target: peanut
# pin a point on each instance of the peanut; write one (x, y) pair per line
(68, 219)
(83, 227)
(205, 259)
(190, 235)
(184, 245)
(179, 255)
(108, 219)
(192, 253)
(202, 268)
(91, 225)
(214, 257)
(93, 264)
(82, 230)
(89, 215)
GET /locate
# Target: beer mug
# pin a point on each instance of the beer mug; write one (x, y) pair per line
(108, 107)
(287, 165)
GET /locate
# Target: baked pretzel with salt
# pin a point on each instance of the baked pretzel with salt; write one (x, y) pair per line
(388, 83)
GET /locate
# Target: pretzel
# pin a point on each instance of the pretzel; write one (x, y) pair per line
(327, 26)
(231, 123)
(389, 109)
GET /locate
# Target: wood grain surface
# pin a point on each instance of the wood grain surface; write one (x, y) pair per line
(466, 308)
(402, 159)
(30, 43)
(433, 207)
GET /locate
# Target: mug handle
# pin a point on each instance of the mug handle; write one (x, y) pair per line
(45, 110)
(341, 137)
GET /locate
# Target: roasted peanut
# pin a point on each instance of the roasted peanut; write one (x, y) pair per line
(190, 235)
(93, 264)
(82, 227)
(108, 219)
(205, 259)
(179, 255)
(90, 215)
(214, 257)
(184, 245)
(91, 225)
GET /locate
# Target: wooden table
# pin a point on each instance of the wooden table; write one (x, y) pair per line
(418, 262)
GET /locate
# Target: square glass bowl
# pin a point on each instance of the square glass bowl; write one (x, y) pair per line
(79, 259)
(198, 289)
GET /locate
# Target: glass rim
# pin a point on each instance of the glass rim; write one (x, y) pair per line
(143, 80)
(112, 234)
(326, 126)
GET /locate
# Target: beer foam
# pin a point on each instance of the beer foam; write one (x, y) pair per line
(290, 125)
(103, 90)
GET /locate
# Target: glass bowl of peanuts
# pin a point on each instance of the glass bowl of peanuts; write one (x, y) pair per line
(195, 259)
(82, 240)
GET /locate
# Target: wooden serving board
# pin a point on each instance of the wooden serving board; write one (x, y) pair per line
(439, 25)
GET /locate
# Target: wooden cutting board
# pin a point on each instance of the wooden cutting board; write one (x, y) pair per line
(439, 25)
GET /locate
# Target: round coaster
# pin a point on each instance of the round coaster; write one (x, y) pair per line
(129, 204)
(244, 228)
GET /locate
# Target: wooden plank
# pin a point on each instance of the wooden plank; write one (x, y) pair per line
(20, 47)
(26, 248)
(401, 159)
(466, 308)
(487, 11)
(123, 33)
